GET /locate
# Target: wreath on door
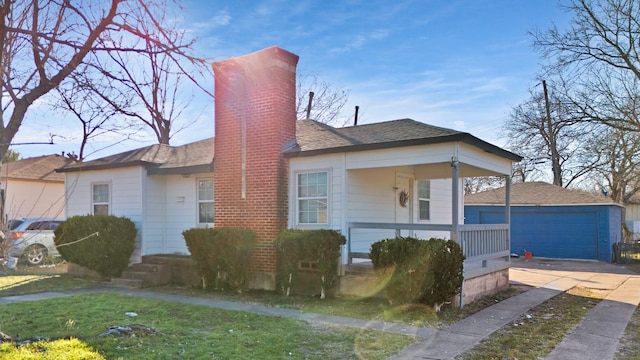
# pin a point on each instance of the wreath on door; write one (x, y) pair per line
(403, 198)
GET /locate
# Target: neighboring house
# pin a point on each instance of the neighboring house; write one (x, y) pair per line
(272, 171)
(551, 221)
(30, 188)
(632, 216)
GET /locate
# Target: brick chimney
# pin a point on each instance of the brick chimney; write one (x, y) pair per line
(255, 117)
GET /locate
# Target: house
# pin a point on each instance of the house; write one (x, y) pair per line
(551, 221)
(273, 171)
(632, 216)
(31, 187)
(163, 189)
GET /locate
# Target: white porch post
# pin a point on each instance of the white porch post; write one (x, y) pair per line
(507, 211)
(455, 199)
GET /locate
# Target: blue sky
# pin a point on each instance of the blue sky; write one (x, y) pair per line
(456, 64)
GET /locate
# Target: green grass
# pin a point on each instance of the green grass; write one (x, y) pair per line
(629, 347)
(190, 332)
(30, 280)
(377, 309)
(535, 337)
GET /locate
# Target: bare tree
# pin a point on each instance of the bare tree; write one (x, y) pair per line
(326, 104)
(43, 42)
(599, 53)
(477, 184)
(154, 82)
(619, 170)
(543, 130)
(97, 116)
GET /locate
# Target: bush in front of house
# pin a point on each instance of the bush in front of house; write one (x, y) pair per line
(222, 256)
(102, 243)
(320, 248)
(419, 271)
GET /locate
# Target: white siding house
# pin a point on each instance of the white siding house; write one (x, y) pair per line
(369, 182)
(156, 187)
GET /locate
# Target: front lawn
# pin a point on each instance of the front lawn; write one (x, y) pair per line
(190, 332)
(33, 279)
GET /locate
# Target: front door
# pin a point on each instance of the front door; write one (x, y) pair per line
(403, 203)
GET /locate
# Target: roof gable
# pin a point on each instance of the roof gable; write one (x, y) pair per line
(536, 193)
(40, 168)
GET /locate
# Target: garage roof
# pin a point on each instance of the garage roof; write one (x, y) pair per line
(537, 193)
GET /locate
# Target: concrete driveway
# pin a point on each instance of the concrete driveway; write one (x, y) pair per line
(598, 334)
(588, 274)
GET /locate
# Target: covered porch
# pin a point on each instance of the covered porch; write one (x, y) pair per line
(425, 200)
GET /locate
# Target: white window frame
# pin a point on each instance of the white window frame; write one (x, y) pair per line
(423, 199)
(94, 203)
(298, 199)
(199, 201)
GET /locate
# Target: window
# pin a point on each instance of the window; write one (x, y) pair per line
(424, 195)
(205, 201)
(312, 198)
(43, 225)
(100, 199)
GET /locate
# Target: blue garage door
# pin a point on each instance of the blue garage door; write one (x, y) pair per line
(572, 235)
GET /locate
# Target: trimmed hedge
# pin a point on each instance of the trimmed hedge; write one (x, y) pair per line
(102, 243)
(321, 246)
(221, 255)
(419, 271)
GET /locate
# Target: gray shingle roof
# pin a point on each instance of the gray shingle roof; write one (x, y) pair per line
(316, 138)
(36, 168)
(536, 193)
(158, 159)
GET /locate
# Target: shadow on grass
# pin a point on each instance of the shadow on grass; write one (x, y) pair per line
(31, 279)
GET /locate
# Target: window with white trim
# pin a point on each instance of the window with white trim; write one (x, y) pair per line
(100, 199)
(312, 194)
(424, 197)
(205, 201)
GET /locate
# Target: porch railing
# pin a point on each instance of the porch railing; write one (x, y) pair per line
(485, 246)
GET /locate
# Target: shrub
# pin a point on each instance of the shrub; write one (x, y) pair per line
(222, 255)
(202, 248)
(315, 246)
(428, 272)
(102, 243)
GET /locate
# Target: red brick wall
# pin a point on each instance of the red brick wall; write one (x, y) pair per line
(257, 93)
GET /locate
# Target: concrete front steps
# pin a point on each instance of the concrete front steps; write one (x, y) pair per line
(157, 270)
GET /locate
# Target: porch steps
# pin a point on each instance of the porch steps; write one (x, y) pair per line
(150, 272)
(359, 280)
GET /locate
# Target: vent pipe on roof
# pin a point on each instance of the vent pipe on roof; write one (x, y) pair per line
(355, 118)
(309, 105)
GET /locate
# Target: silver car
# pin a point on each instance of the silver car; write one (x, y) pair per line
(31, 239)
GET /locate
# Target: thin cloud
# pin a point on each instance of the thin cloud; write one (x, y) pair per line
(361, 40)
(221, 19)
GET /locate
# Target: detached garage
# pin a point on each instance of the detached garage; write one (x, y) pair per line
(551, 221)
